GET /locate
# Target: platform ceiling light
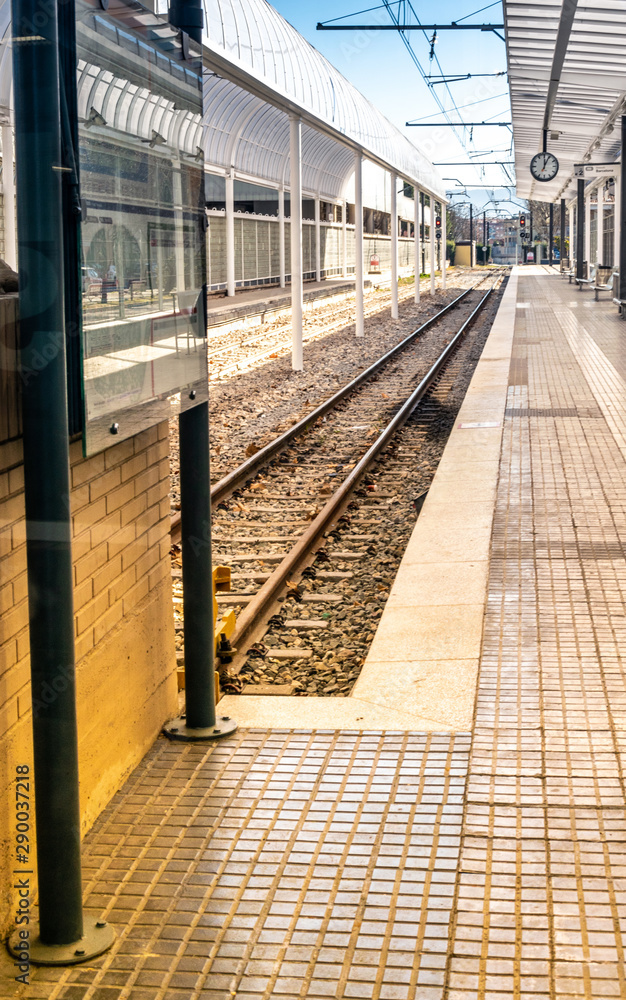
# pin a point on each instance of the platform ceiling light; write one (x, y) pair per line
(554, 136)
(95, 118)
(610, 128)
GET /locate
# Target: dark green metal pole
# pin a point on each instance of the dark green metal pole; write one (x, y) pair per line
(62, 938)
(562, 228)
(200, 720)
(580, 229)
(551, 236)
(622, 226)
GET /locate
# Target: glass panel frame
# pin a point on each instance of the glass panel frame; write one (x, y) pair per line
(143, 225)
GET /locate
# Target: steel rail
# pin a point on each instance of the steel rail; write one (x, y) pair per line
(239, 475)
(292, 561)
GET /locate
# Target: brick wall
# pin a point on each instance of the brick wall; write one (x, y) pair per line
(123, 615)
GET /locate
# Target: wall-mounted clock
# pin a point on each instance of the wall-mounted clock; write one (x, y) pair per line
(544, 166)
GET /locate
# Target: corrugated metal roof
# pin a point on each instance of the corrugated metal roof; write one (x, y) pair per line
(567, 69)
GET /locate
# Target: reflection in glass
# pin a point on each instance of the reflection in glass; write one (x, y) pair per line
(143, 232)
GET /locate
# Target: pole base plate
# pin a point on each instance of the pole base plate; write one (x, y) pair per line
(98, 936)
(178, 729)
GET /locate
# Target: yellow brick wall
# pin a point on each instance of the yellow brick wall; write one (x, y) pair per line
(124, 629)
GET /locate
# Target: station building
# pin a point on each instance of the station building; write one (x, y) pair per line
(277, 119)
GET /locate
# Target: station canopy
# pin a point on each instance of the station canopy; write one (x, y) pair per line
(266, 68)
(258, 71)
(567, 73)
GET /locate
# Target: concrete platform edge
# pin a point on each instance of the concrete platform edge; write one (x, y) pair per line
(420, 673)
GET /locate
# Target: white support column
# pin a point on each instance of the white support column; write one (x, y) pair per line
(344, 232)
(8, 188)
(230, 234)
(281, 235)
(179, 250)
(416, 242)
(600, 225)
(318, 242)
(432, 245)
(295, 169)
(572, 244)
(394, 247)
(358, 246)
(444, 245)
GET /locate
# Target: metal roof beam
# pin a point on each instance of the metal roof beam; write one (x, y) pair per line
(568, 13)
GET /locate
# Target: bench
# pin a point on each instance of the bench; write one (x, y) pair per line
(136, 285)
(604, 280)
(589, 276)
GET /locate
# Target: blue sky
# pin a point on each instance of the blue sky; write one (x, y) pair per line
(378, 64)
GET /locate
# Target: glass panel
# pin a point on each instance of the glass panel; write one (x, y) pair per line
(143, 227)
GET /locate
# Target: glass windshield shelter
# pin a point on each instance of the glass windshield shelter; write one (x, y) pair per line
(143, 223)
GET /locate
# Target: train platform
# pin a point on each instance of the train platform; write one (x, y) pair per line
(475, 850)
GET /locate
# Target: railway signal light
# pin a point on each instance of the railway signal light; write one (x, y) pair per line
(522, 222)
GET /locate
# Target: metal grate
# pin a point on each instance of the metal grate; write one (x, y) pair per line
(554, 411)
(518, 372)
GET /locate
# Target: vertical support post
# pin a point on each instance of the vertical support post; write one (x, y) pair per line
(572, 247)
(485, 238)
(471, 235)
(359, 312)
(62, 932)
(8, 188)
(295, 168)
(417, 250)
(587, 254)
(562, 231)
(444, 247)
(200, 721)
(394, 247)
(620, 223)
(617, 215)
(230, 233)
(344, 233)
(551, 235)
(600, 225)
(432, 245)
(179, 250)
(318, 242)
(580, 228)
(281, 235)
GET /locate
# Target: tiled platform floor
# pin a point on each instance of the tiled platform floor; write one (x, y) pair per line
(541, 904)
(279, 864)
(408, 866)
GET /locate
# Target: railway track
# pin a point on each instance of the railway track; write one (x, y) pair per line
(286, 521)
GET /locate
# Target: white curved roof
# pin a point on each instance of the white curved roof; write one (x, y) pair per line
(258, 70)
(248, 42)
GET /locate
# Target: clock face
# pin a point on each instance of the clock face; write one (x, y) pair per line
(544, 166)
